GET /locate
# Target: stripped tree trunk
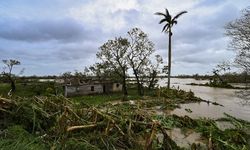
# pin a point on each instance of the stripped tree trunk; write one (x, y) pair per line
(169, 56)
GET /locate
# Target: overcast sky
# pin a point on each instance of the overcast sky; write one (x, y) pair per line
(50, 37)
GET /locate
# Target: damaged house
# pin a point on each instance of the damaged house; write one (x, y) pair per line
(76, 87)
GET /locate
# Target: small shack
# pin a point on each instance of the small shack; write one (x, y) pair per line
(79, 87)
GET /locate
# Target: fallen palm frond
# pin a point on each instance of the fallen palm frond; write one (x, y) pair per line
(115, 127)
(57, 123)
(81, 127)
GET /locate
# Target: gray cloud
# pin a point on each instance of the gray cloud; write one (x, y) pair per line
(50, 38)
(77, 51)
(62, 30)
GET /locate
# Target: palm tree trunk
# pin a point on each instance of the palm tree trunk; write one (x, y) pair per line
(169, 56)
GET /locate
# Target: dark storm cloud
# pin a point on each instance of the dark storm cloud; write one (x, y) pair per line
(62, 30)
(77, 51)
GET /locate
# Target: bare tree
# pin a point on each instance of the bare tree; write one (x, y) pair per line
(239, 32)
(154, 70)
(221, 68)
(114, 53)
(103, 71)
(9, 67)
(140, 49)
(169, 23)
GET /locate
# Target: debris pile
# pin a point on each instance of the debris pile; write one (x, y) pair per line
(57, 123)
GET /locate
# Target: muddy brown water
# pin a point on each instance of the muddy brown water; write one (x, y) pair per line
(233, 105)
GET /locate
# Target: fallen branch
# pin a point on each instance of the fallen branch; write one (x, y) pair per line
(148, 144)
(81, 127)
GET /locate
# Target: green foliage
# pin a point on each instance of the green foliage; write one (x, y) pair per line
(232, 139)
(178, 94)
(45, 121)
(76, 144)
(30, 89)
(216, 84)
(16, 138)
(4, 89)
(103, 98)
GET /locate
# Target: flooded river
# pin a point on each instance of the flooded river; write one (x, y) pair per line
(233, 105)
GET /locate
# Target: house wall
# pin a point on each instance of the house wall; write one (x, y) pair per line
(83, 90)
(117, 87)
(76, 90)
(108, 88)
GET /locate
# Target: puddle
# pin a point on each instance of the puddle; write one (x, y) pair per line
(158, 111)
(200, 110)
(223, 125)
(186, 139)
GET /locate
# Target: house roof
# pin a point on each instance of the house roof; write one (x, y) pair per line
(78, 81)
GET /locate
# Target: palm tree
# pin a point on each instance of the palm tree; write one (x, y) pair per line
(169, 23)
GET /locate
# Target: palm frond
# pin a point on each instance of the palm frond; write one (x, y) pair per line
(165, 28)
(174, 22)
(163, 20)
(167, 12)
(179, 14)
(161, 14)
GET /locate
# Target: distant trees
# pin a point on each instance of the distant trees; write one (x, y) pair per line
(169, 23)
(218, 78)
(99, 70)
(9, 64)
(239, 32)
(103, 72)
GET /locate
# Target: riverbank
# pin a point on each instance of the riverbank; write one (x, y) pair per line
(226, 86)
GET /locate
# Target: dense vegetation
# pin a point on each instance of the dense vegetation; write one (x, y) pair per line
(228, 77)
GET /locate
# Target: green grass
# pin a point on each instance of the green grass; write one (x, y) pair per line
(4, 88)
(96, 99)
(103, 98)
(19, 139)
(40, 123)
(29, 89)
(47, 88)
